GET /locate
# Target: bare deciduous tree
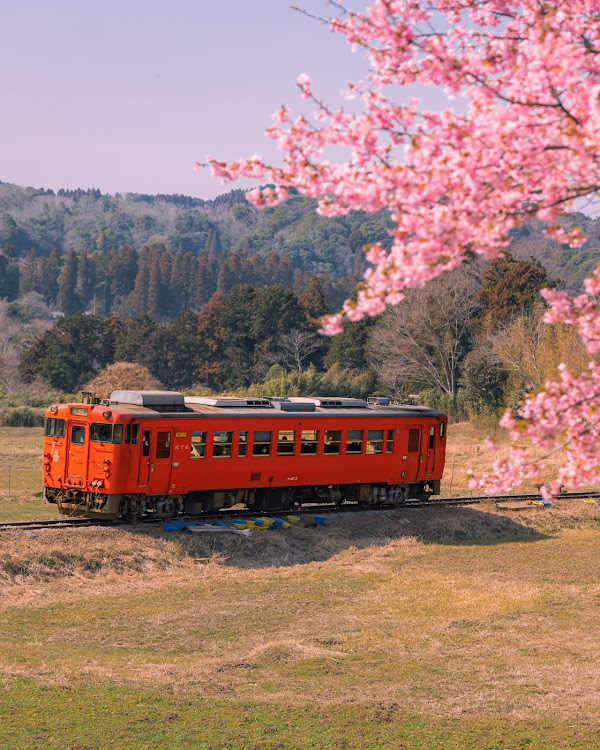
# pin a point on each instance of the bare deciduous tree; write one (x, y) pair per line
(424, 339)
(20, 321)
(294, 350)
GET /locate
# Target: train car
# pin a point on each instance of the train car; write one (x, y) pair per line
(158, 454)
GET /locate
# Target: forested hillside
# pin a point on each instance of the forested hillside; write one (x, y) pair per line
(162, 255)
(220, 296)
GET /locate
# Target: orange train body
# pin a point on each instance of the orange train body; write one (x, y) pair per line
(154, 453)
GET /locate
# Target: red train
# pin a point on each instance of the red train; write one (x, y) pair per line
(158, 454)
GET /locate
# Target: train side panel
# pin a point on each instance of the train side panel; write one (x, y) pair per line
(101, 460)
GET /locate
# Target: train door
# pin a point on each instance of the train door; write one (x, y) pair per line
(429, 450)
(77, 456)
(161, 462)
(144, 468)
(413, 454)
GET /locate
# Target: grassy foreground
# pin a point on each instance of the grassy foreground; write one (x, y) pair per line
(470, 628)
(455, 628)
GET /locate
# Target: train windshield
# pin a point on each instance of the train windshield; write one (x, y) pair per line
(106, 433)
(54, 427)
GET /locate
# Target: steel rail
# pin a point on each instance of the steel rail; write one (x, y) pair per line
(61, 523)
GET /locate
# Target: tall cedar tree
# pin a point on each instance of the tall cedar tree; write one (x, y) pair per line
(49, 273)
(211, 347)
(122, 272)
(139, 295)
(237, 319)
(313, 301)
(28, 278)
(509, 288)
(68, 300)
(86, 280)
(9, 278)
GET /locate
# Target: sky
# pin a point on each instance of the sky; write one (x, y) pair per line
(125, 96)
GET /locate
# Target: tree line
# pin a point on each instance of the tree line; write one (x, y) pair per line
(153, 281)
(468, 343)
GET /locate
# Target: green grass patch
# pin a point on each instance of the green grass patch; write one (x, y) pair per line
(100, 715)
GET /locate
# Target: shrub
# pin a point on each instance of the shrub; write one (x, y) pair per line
(22, 417)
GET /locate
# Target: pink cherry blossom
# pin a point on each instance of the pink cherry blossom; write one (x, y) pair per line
(526, 142)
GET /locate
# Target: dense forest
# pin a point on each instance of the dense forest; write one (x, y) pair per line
(162, 255)
(218, 296)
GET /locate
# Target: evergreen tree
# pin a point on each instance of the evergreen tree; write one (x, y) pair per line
(139, 295)
(12, 234)
(211, 343)
(349, 348)
(285, 275)
(71, 352)
(167, 305)
(9, 279)
(229, 273)
(237, 319)
(276, 313)
(509, 288)
(155, 287)
(178, 291)
(312, 301)
(122, 272)
(206, 279)
(131, 338)
(28, 279)
(86, 279)
(171, 353)
(49, 273)
(272, 269)
(68, 299)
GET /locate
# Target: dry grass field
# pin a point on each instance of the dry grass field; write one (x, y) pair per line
(470, 628)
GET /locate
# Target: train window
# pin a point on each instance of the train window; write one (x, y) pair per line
(285, 442)
(431, 437)
(198, 445)
(222, 444)
(127, 433)
(262, 443)
(333, 442)
(146, 443)
(309, 442)
(100, 432)
(135, 431)
(442, 430)
(374, 441)
(413, 441)
(389, 443)
(78, 434)
(242, 443)
(163, 444)
(54, 427)
(354, 441)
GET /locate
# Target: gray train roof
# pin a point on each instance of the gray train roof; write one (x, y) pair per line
(169, 404)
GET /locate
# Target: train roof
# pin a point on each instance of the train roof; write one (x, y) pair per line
(146, 404)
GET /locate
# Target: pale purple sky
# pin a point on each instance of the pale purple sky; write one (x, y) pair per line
(125, 96)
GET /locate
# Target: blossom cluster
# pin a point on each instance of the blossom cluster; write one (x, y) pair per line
(524, 141)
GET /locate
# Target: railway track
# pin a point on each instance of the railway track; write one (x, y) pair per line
(62, 523)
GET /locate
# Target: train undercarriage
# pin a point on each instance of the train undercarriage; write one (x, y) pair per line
(83, 504)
